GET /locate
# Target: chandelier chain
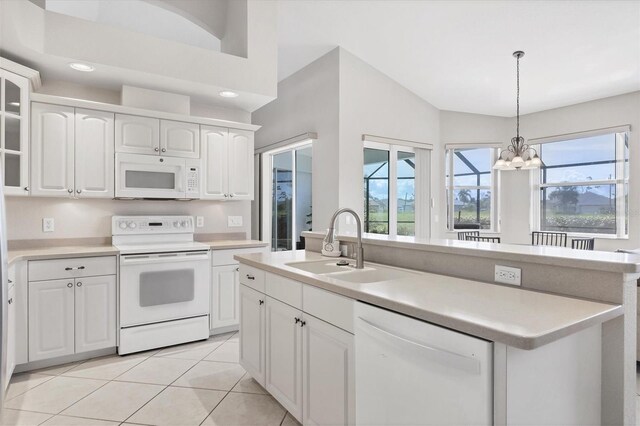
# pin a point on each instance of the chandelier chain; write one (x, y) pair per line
(518, 97)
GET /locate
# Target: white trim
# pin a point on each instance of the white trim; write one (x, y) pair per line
(282, 145)
(580, 135)
(393, 141)
(472, 145)
(32, 75)
(121, 109)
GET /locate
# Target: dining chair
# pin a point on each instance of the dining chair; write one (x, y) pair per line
(462, 236)
(482, 239)
(544, 238)
(583, 243)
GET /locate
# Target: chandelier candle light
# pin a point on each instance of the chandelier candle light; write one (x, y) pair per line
(518, 155)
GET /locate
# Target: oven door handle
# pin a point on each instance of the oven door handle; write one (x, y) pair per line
(145, 259)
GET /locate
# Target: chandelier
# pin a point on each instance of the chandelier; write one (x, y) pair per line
(518, 155)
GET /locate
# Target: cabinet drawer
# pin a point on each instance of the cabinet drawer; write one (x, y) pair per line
(330, 307)
(72, 267)
(252, 277)
(284, 290)
(225, 257)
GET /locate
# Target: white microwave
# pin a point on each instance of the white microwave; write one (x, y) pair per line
(151, 176)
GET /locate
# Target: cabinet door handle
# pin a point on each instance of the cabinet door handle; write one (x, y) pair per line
(238, 269)
(70, 191)
(10, 301)
(261, 302)
(297, 320)
(156, 149)
(250, 277)
(226, 195)
(164, 149)
(70, 285)
(79, 191)
(26, 188)
(79, 284)
(10, 281)
(302, 323)
(69, 268)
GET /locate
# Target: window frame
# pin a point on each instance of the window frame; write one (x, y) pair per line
(622, 185)
(421, 182)
(494, 186)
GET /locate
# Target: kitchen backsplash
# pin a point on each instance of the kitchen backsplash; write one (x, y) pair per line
(92, 218)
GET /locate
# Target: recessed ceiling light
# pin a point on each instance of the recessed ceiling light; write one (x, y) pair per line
(228, 94)
(78, 66)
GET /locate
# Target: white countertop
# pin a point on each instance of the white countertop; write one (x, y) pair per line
(520, 318)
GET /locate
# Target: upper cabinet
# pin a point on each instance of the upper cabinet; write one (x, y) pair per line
(178, 139)
(144, 135)
(94, 165)
(228, 163)
(14, 131)
(72, 152)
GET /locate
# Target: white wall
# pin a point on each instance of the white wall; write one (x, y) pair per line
(515, 190)
(308, 102)
(372, 103)
(92, 218)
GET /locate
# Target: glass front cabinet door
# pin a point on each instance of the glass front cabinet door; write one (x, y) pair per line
(14, 128)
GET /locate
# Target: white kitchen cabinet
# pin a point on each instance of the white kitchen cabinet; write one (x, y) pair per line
(14, 132)
(252, 333)
(137, 135)
(52, 150)
(11, 333)
(224, 296)
(328, 377)
(228, 159)
(94, 154)
(240, 154)
(178, 139)
(51, 319)
(214, 152)
(283, 366)
(95, 313)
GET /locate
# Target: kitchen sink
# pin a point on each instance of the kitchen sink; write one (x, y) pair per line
(348, 273)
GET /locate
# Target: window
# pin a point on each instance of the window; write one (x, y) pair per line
(391, 189)
(471, 188)
(582, 187)
(287, 173)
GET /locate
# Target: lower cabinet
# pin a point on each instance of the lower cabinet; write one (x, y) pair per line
(224, 296)
(68, 316)
(252, 333)
(304, 362)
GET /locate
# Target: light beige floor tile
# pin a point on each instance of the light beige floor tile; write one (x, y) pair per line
(246, 409)
(115, 401)
(76, 421)
(178, 406)
(21, 418)
(57, 369)
(249, 385)
(221, 337)
(195, 351)
(157, 370)
(212, 375)
(106, 368)
(20, 383)
(227, 352)
(54, 395)
(234, 338)
(289, 420)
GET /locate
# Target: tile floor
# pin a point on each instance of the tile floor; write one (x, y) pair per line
(193, 384)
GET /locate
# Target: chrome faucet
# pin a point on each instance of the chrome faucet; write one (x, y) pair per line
(359, 249)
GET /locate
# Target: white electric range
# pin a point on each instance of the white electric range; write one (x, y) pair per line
(164, 282)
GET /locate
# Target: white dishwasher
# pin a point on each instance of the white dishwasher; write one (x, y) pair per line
(409, 372)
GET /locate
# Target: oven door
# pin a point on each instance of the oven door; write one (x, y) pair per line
(163, 286)
(149, 176)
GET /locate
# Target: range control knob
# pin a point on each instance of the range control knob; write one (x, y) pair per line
(176, 224)
(123, 225)
(184, 223)
(132, 225)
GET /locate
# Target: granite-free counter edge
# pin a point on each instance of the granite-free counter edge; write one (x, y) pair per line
(598, 312)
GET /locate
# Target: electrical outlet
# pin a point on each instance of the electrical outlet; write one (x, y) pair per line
(508, 275)
(199, 221)
(234, 221)
(48, 224)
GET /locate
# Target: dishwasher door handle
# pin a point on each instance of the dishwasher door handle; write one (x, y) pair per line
(441, 356)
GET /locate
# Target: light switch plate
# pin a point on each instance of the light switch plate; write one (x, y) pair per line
(48, 224)
(234, 221)
(199, 221)
(508, 275)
